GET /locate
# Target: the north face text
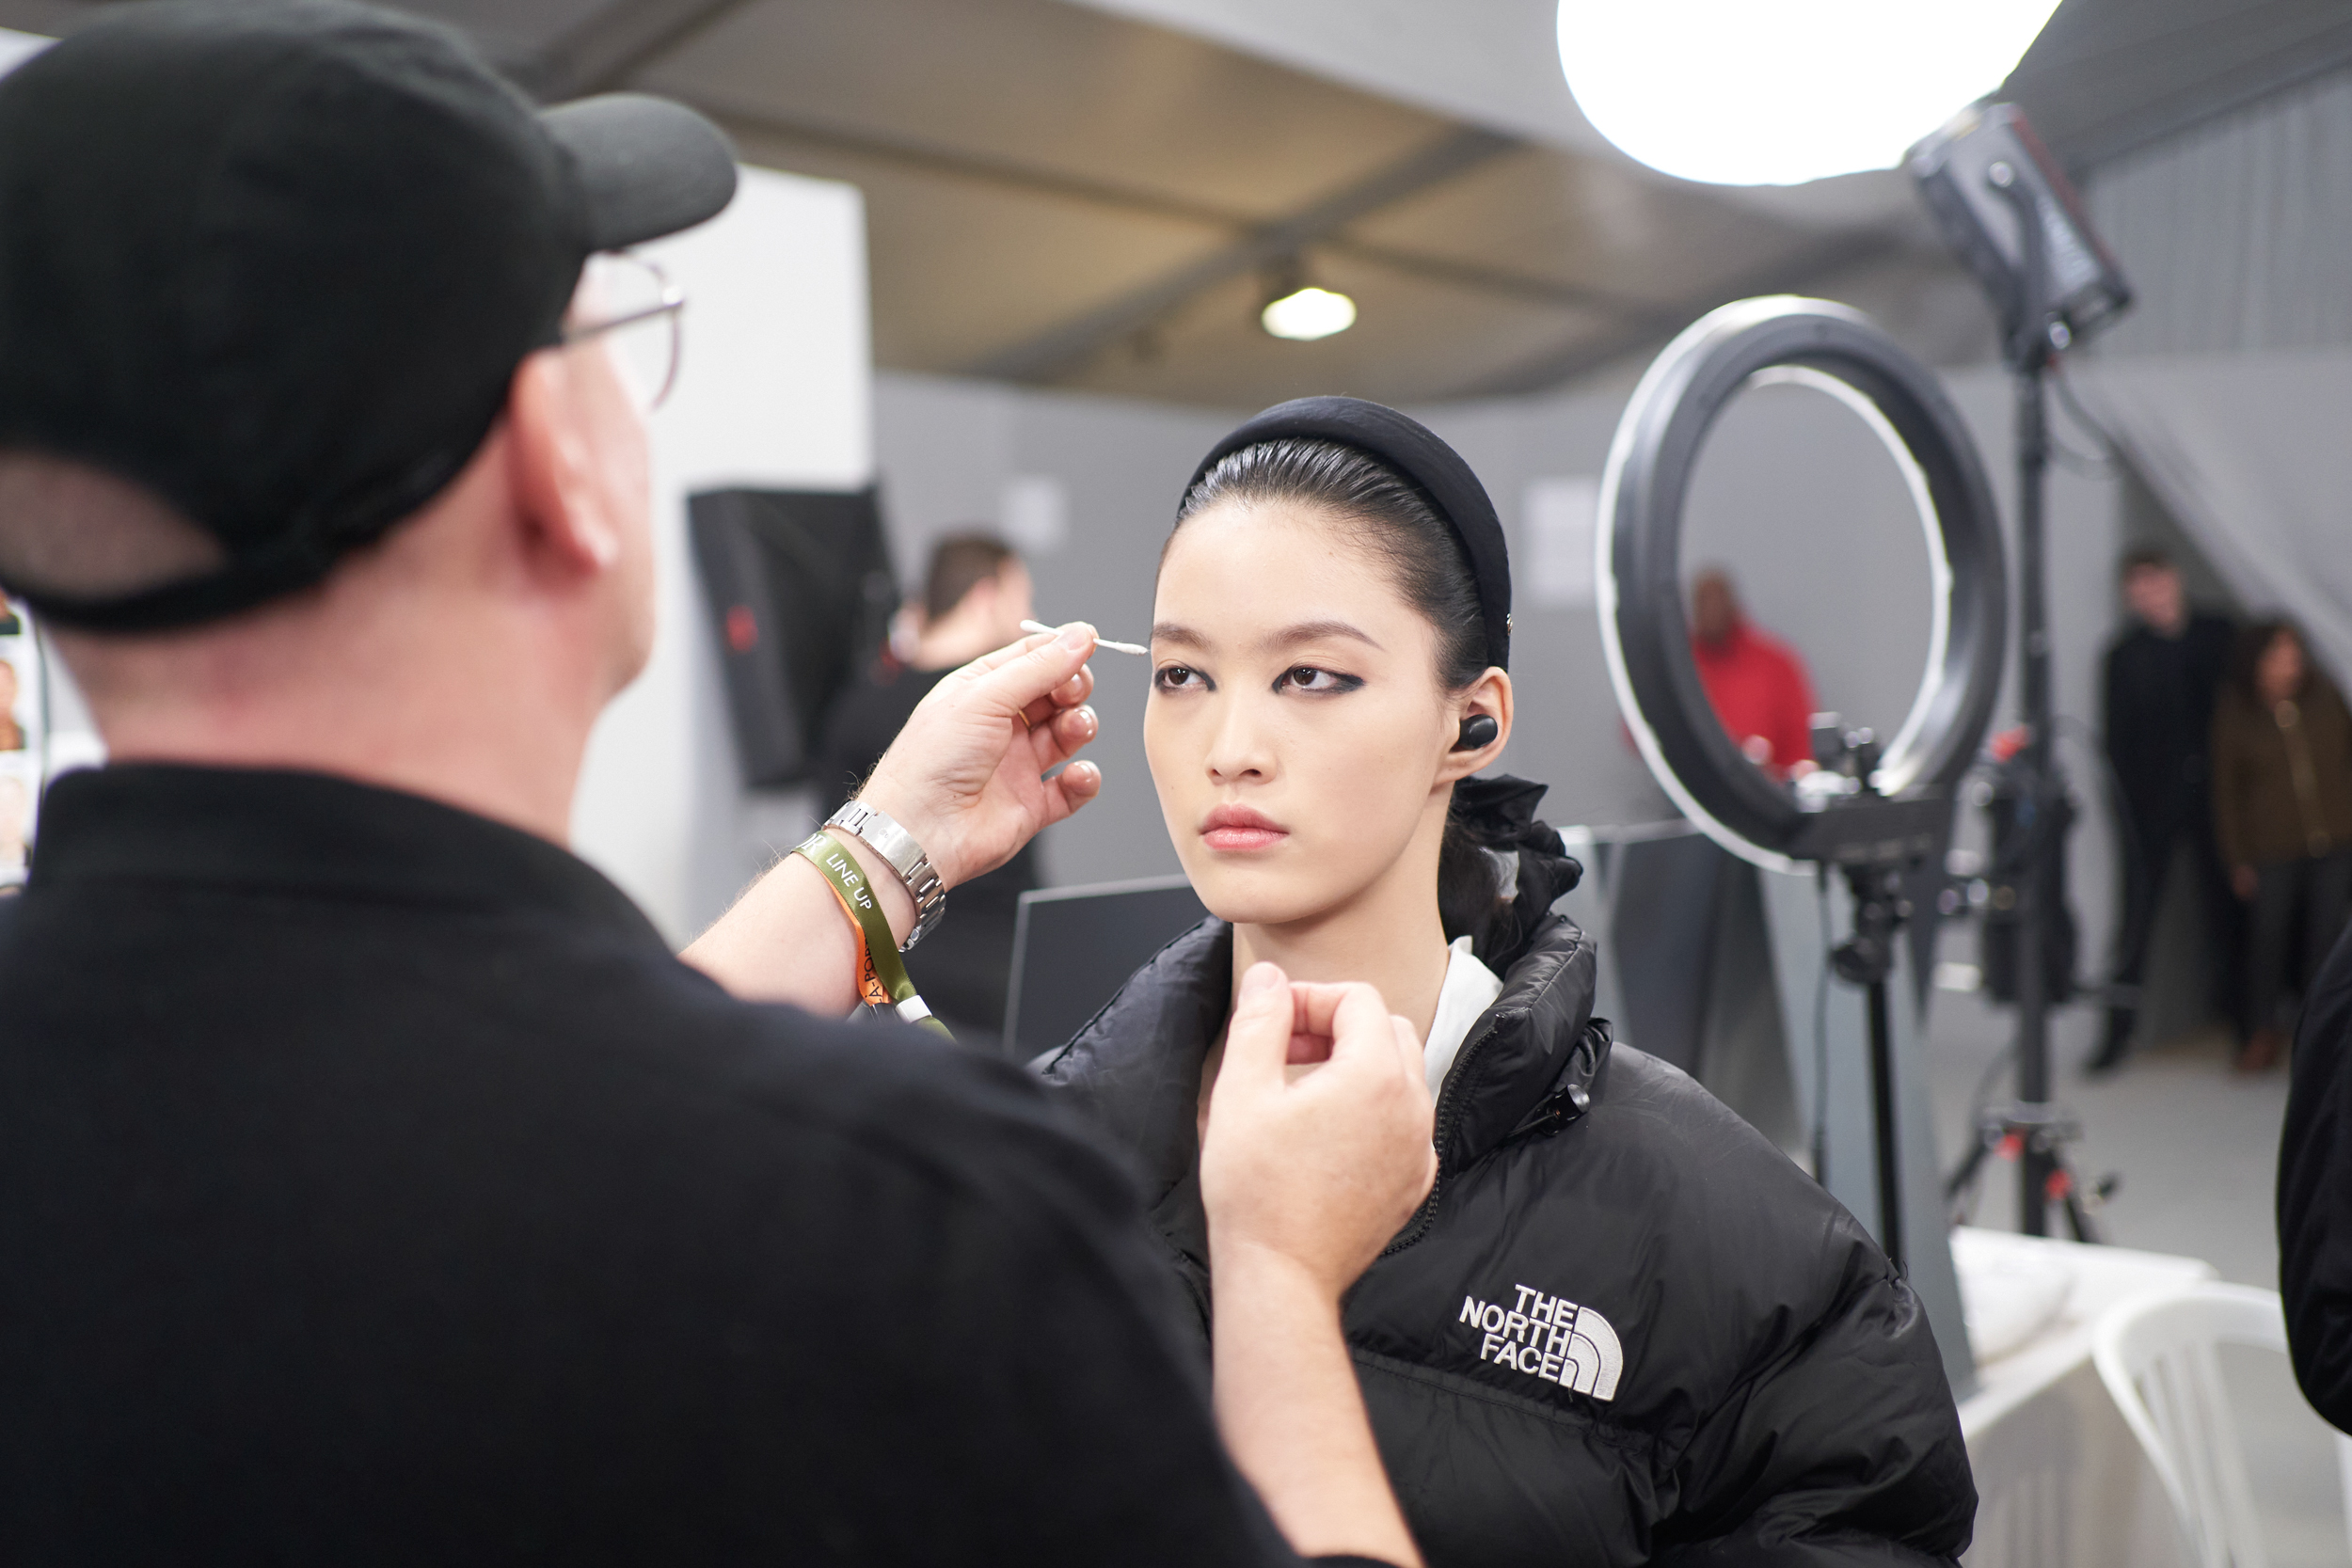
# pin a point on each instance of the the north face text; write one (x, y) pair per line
(1550, 1338)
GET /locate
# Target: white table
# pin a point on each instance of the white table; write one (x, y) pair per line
(2061, 1481)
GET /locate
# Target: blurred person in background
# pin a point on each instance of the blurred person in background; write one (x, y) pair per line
(1756, 684)
(974, 596)
(2160, 680)
(2282, 811)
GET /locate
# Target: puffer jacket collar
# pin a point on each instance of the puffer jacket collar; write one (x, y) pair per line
(1532, 1061)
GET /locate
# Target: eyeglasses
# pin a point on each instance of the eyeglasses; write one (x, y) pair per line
(637, 306)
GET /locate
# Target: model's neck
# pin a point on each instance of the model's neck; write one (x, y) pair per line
(1389, 936)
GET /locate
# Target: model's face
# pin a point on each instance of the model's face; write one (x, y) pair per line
(1296, 729)
(2155, 596)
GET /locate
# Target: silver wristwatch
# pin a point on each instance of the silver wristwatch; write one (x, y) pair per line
(896, 846)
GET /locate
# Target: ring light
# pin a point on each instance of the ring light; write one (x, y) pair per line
(1812, 342)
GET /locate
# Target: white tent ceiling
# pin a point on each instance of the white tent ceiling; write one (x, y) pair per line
(1097, 193)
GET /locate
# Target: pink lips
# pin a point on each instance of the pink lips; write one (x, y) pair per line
(1239, 827)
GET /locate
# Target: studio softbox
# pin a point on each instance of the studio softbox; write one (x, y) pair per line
(801, 593)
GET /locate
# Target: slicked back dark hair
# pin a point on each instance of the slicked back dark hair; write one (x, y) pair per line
(1390, 517)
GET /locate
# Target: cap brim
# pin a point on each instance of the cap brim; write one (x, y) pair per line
(646, 166)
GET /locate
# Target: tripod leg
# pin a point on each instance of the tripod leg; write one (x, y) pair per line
(1883, 1108)
(2077, 1218)
(1958, 1182)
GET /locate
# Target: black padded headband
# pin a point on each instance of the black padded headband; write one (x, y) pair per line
(1411, 449)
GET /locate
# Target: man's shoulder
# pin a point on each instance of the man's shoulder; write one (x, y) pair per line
(885, 1092)
(1765, 648)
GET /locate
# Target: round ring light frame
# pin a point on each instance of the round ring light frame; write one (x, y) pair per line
(1833, 348)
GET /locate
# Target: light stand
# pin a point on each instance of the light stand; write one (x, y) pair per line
(2012, 217)
(2041, 1130)
(1867, 959)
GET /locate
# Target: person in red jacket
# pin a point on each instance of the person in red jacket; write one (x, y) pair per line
(1756, 682)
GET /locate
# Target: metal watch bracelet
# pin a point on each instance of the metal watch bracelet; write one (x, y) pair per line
(896, 846)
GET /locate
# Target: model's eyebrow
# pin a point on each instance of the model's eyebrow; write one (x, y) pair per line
(1315, 632)
(1287, 636)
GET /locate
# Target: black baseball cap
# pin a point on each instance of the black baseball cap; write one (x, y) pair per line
(277, 260)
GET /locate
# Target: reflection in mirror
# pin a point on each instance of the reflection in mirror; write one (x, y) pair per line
(1808, 579)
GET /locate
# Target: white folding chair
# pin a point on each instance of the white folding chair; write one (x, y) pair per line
(2156, 1356)
(2344, 1473)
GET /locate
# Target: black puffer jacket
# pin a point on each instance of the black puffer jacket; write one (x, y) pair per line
(1623, 1329)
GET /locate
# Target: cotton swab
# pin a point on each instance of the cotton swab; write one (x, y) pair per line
(1100, 641)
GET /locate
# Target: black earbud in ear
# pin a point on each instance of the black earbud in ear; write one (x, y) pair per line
(1478, 732)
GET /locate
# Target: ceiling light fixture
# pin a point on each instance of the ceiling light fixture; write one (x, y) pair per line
(1739, 92)
(1307, 313)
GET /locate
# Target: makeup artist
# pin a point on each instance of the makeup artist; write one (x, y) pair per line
(374, 1184)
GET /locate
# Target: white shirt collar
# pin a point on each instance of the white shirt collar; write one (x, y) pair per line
(1470, 988)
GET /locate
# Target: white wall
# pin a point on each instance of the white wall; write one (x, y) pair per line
(2234, 233)
(773, 390)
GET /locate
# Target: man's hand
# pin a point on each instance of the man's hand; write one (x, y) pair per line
(1320, 1168)
(1305, 1176)
(965, 776)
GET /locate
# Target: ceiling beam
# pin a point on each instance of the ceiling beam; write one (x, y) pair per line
(1055, 350)
(620, 38)
(1661, 323)
(2317, 55)
(952, 164)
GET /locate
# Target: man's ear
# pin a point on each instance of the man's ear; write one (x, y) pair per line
(1489, 695)
(554, 472)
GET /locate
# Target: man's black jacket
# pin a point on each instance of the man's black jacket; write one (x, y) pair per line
(375, 1187)
(1624, 1328)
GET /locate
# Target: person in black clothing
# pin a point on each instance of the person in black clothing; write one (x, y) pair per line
(974, 596)
(375, 1185)
(2159, 685)
(2314, 1209)
(1624, 1328)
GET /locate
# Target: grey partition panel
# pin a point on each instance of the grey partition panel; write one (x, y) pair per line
(1074, 947)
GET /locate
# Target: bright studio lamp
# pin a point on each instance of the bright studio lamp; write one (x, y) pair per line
(1778, 92)
(1304, 314)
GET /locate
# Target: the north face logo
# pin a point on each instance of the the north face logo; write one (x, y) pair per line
(1547, 1337)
